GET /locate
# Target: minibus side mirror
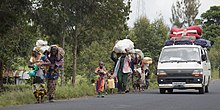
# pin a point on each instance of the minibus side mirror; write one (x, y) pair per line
(156, 58)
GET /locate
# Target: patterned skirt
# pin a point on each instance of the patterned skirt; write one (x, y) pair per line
(100, 83)
(51, 86)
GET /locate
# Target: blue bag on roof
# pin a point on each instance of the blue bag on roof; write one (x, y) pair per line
(185, 42)
(202, 42)
(169, 42)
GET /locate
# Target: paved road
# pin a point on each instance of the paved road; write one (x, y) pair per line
(149, 100)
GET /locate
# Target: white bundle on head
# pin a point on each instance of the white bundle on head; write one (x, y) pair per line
(41, 43)
(44, 48)
(121, 45)
(139, 52)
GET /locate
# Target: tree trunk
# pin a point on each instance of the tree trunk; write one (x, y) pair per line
(1, 76)
(74, 50)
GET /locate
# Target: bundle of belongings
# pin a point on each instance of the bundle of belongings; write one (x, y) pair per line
(40, 63)
(139, 53)
(124, 44)
(147, 60)
(187, 36)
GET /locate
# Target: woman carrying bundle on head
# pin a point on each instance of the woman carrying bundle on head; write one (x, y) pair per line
(37, 62)
(56, 57)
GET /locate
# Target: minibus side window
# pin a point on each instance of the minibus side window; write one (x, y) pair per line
(204, 53)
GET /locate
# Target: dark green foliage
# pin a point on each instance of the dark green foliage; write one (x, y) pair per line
(212, 16)
(149, 37)
(211, 19)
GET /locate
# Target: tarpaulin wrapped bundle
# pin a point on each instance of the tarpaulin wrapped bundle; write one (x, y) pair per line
(61, 51)
(44, 49)
(124, 44)
(203, 42)
(184, 42)
(147, 60)
(197, 28)
(190, 31)
(176, 32)
(187, 36)
(41, 43)
(169, 42)
(139, 52)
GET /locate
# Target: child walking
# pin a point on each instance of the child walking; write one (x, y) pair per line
(100, 83)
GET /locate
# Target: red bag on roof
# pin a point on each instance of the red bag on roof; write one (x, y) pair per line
(196, 35)
(197, 28)
(175, 35)
(175, 30)
(190, 31)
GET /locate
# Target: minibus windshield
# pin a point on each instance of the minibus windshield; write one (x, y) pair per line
(180, 54)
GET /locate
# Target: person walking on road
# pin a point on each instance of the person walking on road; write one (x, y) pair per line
(37, 62)
(100, 83)
(122, 71)
(56, 57)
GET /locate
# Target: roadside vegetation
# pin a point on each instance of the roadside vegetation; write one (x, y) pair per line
(87, 30)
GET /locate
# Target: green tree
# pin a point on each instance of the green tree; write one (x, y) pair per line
(97, 14)
(214, 53)
(149, 37)
(212, 16)
(14, 31)
(211, 20)
(184, 11)
(81, 20)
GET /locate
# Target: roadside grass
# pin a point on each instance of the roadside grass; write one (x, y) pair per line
(19, 94)
(22, 94)
(80, 90)
(215, 74)
(153, 84)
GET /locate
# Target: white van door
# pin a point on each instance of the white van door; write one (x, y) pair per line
(206, 67)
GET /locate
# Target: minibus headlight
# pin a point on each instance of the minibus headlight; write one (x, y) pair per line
(197, 73)
(161, 73)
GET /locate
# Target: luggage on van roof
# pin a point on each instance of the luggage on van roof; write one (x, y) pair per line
(187, 36)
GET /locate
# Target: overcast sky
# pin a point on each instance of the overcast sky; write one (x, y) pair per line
(154, 8)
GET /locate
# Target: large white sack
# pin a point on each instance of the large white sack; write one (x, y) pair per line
(139, 52)
(44, 48)
(41, 43)
(121, 45)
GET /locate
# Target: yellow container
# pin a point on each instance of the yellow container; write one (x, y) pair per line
(147, 60)
(111, 83)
